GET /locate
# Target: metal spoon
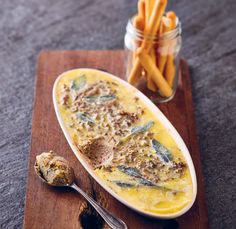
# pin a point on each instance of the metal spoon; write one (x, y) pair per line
(111, 220)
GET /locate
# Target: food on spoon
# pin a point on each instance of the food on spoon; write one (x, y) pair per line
(54, 169)
(125, 144)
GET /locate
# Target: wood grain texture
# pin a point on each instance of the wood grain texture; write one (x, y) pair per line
(48, 207)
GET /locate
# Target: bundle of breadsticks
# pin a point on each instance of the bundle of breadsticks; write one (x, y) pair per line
(159, 67)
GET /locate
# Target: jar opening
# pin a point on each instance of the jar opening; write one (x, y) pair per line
(140, 35)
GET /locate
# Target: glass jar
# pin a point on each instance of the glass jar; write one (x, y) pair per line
(164, 52)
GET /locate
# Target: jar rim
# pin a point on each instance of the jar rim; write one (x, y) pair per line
(140, 35)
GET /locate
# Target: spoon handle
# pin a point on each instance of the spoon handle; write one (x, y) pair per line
(111, 220)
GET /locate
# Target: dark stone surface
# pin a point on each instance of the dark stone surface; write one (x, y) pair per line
(209, 45)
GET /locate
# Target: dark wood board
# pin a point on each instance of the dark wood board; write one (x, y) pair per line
(48, 207)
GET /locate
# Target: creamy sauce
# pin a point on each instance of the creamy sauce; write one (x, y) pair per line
(144, 166)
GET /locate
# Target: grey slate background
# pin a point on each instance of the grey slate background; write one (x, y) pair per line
(209, 31)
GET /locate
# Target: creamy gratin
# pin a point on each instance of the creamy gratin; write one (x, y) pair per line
(123, 141)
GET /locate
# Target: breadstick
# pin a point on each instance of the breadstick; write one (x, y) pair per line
(154, 72)
(150, 84)
(170, 70)
(135, 72)
(138, 22)
(152, 27)
(141, 9)
(163, 49)
(154, 23)
(148, 9)
(172, 16)
(170, 65)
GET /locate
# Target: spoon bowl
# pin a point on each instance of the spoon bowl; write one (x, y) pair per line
(109, 218)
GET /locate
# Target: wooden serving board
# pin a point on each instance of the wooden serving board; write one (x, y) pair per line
(48, 207)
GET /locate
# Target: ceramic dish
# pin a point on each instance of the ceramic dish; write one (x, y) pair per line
(161, 119)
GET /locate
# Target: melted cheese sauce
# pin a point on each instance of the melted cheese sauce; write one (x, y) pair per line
(145, 198)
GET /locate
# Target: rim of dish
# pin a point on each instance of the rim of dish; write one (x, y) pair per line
(164, 121)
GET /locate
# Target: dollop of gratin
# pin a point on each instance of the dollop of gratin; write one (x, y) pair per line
(54, 169)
